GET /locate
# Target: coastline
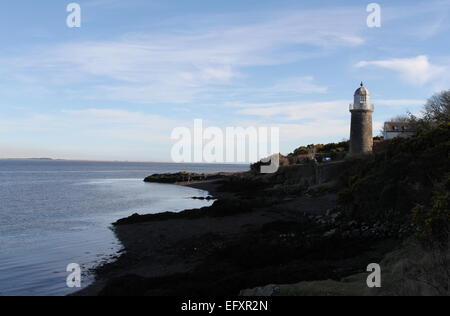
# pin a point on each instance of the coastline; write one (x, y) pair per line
(209, 186)
(238, 243)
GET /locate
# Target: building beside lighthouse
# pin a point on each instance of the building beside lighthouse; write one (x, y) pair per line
(361, 131)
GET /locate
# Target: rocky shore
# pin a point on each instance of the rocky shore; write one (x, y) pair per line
(261, 230)
(184, 177)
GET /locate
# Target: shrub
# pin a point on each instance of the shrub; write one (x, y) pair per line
(390, 183)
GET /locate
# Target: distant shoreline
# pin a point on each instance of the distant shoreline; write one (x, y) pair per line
(124, 161)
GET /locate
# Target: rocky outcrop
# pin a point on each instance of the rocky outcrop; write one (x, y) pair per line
(351, 286)
(220, 208)
(172, 178)
(201, 198)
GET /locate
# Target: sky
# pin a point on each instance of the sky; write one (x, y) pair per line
(115, 88)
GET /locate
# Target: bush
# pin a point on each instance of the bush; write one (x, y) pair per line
(433, 221)
(389, 184)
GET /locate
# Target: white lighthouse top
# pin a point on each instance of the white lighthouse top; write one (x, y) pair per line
(362, 90)
(362, 100)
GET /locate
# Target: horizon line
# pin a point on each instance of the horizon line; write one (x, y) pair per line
(128, 161)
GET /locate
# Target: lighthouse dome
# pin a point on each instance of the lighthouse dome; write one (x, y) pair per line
(362, 100)
(362, 90)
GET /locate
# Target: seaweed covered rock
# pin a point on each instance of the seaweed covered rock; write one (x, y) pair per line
(171, 178)
(220, 208)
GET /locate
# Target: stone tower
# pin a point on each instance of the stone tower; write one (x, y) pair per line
(361, 134)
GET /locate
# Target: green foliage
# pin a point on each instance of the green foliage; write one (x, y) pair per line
(389, 184)
(322, 149)
(434, 220)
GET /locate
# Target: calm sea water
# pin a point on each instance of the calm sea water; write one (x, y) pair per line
(53, 213)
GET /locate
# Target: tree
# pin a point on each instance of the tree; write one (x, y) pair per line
(405, 118)
(435, 112)
(437, 109)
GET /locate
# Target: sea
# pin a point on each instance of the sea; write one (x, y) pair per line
(54, 213)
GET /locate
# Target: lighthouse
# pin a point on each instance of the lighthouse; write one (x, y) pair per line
(361, 134)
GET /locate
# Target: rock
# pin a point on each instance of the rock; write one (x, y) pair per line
(334, 217)
(330, 233)
(171, 178)
(208, 198)
(355, 286)
(269, 290)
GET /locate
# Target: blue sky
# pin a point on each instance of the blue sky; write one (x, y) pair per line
(116, 87)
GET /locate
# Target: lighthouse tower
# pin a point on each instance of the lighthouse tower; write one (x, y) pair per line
(361, 134)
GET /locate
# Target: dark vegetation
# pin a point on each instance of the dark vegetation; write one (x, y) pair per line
(322, 149)
(408, 173)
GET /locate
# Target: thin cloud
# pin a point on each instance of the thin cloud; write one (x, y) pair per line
(417, 70)
(178, 67)
(292, 111)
